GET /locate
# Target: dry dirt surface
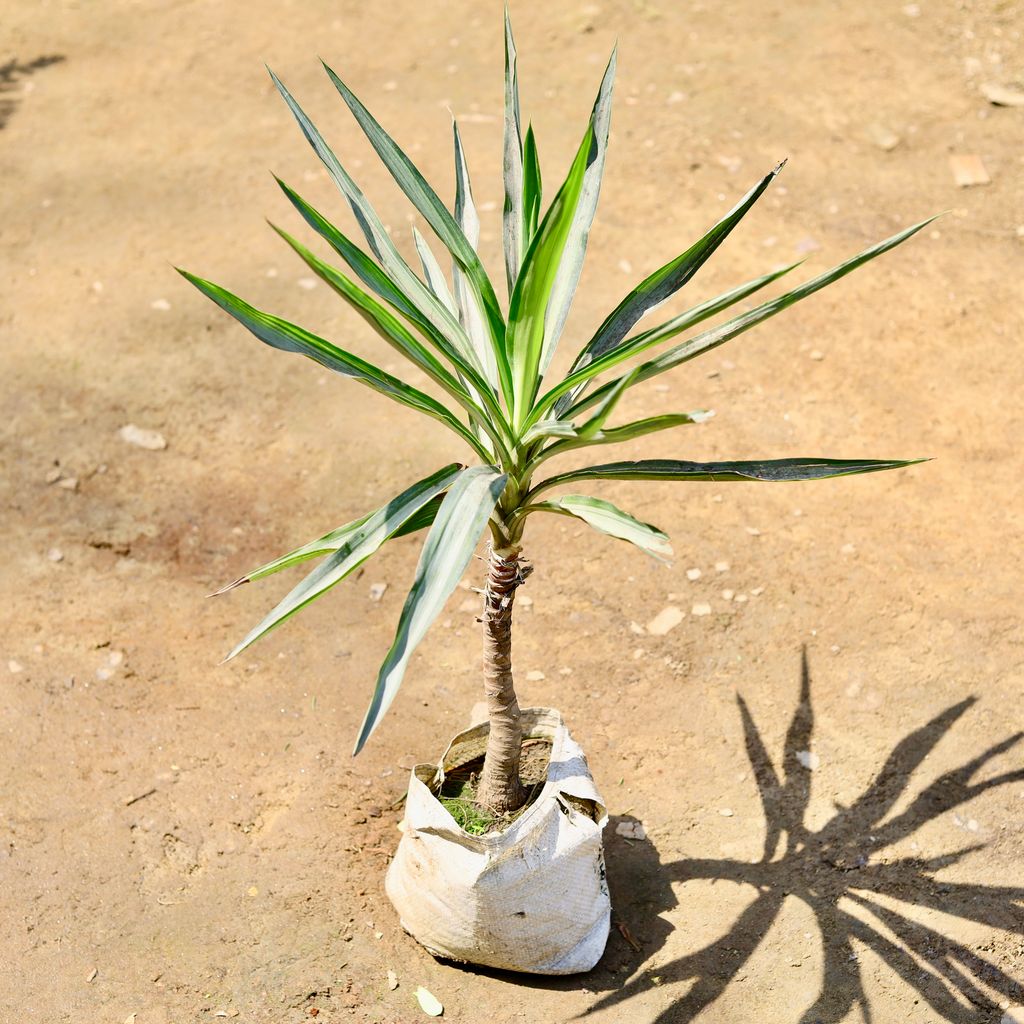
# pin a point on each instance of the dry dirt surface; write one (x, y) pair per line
(839, 841)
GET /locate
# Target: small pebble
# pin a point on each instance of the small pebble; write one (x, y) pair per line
(848, 549)
(631, 830)
(817, 355)
(676, 97)
(726, 812)
(392, 980)
(808, 759)
(757, 592)
(15, 666)
(377, 591)
(741, 598)
(429, 1003)
(728, 595)
(638, 653)
(884, 138)
(968, 169)
(55, 555)
(151, 440)
(565, 671)
(701, 609)
(693, 574)
(526, 602)
(637, 629)
(535, 676)
(69, 483)
(625, 266)
(753, 531)
(104, 674)
(53, 475)
(665, 621)
(721, 566)
(306, 283)
(161, 304)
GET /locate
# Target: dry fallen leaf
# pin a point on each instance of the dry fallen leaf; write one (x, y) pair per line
(428, 1002)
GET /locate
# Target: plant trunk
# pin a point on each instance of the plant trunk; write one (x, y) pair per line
(501, 790)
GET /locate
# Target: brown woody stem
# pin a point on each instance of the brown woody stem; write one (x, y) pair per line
(501, 789)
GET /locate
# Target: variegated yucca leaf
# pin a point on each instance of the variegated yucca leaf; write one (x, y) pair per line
(491, 366)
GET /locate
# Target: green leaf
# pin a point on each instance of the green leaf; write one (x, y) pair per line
(533, 188)
(446, 553)
(665, 282)
(512, 166)
(432, 271)
(288, 337)
(550, 428)
(715, 336)
(379, 282)
(772, 470)
(414, 292)
(470, 315)
(528, 307)
(331, 542)
(616, 435)
(362, 542)
(604, 517)
(570, 387)
(426, 200)
(571, 263)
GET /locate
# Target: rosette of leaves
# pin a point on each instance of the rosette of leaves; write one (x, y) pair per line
(491, 365)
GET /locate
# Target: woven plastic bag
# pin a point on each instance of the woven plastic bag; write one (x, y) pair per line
(531, 898)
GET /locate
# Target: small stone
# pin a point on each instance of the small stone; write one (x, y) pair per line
(665, 621)
(535, 676)
(912, 10)
(637, 629)
(115, 658)
(817, 355)
(631, 830)
(69, 483)
(92, 974)
(701, 609)
(392, 980)
(882, 137)
(835, 648)
(638, 653)
(14, 667)
(721, 566)
(753, 531)
(757, 592)
(726, 812)
(728, 595)
(55, 555)
(429, 1003)
(848, 549)
(808, 759)
(151, 440)
(306, 283)
(103, 674)
(526, 602)
(53, 475)
(377, 591)
(160, 304)
(693, 574)
(676, 97)
(565, 671)
(968, 170)
(1002, 95)
(252, 891)
(625, 266)
(741, 598)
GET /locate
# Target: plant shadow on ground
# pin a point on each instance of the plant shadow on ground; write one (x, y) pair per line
(11, 72)
(846, 861)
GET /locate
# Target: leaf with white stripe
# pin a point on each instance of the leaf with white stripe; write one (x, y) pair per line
(447, 551)
(357, 547)
(606, 518)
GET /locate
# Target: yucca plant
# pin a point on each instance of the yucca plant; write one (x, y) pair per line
(492, 368)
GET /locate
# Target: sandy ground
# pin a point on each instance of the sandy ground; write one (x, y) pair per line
(180, 840)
